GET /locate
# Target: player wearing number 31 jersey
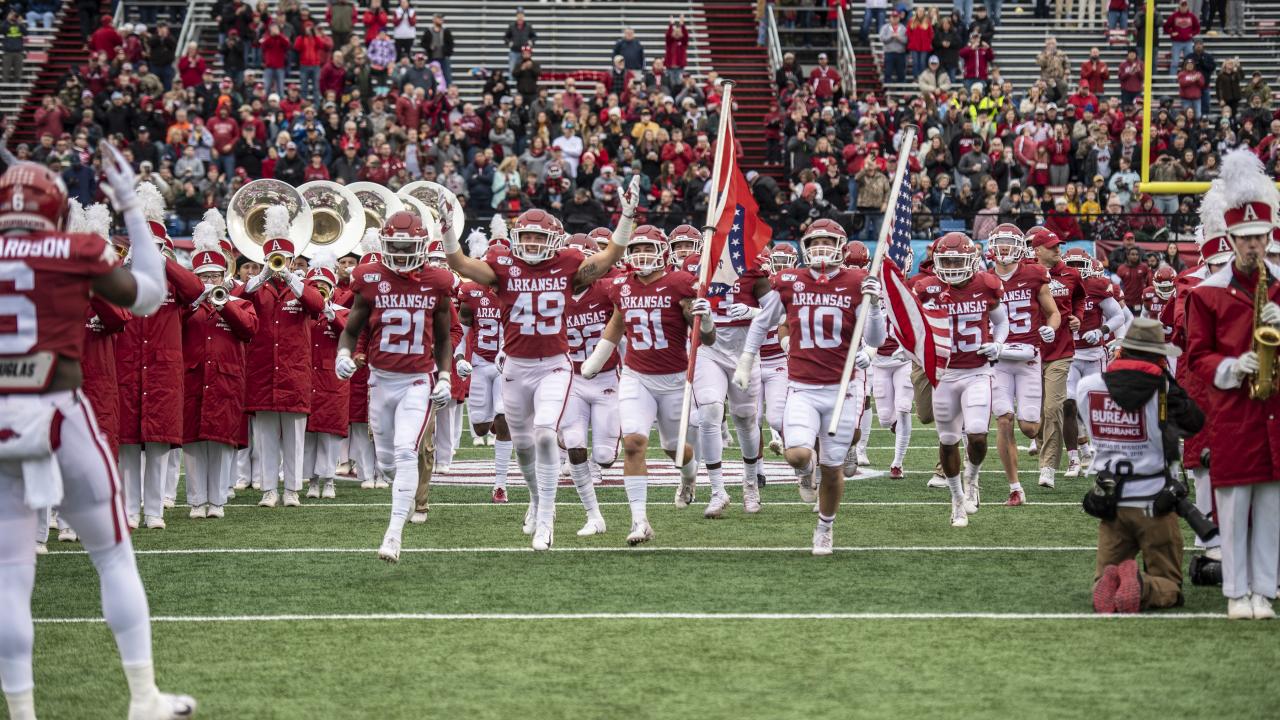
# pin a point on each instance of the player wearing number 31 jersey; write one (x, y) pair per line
(407, 310)
(534, 283)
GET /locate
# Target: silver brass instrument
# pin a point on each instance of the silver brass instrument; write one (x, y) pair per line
(1266, 343)
(431, 194)
(378, 203)
(336, 215)
(218, 296)
(247, 214)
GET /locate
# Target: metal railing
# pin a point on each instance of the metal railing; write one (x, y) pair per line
(189, 23)
(771, 32)
(846, 59)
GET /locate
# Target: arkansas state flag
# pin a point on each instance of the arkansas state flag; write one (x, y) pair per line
(738, 226)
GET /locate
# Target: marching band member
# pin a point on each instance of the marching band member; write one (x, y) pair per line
(149, 367)
(330, 400)
(247, 457)
(216, 330)
(1222, 315)
(278, 388)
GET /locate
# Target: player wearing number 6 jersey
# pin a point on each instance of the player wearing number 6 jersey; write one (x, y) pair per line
(820, 304)
(657, 307)
(534, 283)
(1033, 318)
(408, 312)
(979, 331)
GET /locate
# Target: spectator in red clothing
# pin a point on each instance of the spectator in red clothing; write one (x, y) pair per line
(333, 76)
(824, 80)
(105, 38)
(1131, 74)
(1095, 72)
(676, 55)
(1191, 85)
(312, 47)
(225, 132)
(1134, 276)
(1181, 26)
(375, 19)
(191, 67)
(919, 40)
(976, 58)
(50, 117)
(1061, 221)
(1059, 147)
(1082, 99)
(678, 152)
(409, 106)
(315, 169)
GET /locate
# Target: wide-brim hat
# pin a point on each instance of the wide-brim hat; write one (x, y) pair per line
(1147, 335)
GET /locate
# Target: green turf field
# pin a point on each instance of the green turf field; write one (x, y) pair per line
(287, 613)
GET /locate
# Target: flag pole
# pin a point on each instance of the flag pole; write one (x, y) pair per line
(882, 247)
(714, 209)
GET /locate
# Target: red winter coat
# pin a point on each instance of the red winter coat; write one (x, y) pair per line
(191, 71)
(98, 364)
(149, 366)
(676, 52)
(330, 397)
(105, 38)
(275, 51)
(279, 359)
(213, 351)
(1174, 316)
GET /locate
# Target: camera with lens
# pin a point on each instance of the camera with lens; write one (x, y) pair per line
(1173, 498)
(1101, 500)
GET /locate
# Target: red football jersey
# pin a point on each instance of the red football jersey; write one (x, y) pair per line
(402, 314)
(485, 336)
(1022, 302)
(967, 306)
(534, 298)
(657, 332)
(821, 313)
(1153, 306)
(45, 283)
(585, 319)
(1096, 289)
(721, 296)
(1067, 288)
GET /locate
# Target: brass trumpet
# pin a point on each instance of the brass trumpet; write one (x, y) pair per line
(324, 290)
(277, 263)
(1266, 343)
(218, 296)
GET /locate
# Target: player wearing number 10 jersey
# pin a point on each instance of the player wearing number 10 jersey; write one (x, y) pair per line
(820, 305)
(534, 283)
(408, 311)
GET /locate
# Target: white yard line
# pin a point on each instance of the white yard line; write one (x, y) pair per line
(653, 503)
(444, 617)
(609, 549)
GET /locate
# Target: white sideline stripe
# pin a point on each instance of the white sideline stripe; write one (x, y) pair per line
(640, 549)
(652, 503)
(445, 617)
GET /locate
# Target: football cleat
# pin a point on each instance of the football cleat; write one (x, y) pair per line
(938, 481)
(686, 493)
(959, 518)
(441, 468)
(366, 484)
(750, 497)
(68, 535)
(198, 512)
(1046, 477)
(641, 531)
(1016, 498)
(390, 550)
(1262, 609)
(823, 540)
(1073, 468)
(595, 526)
(851, 463)
(490, 439)
(1104, 591)
(761, 480)
(162, 706)
(543, 536)
(895, 472)
(134, 521)
(154, 523)
(1086, 453)
(530, 517)
(268, 499)
(1129, 589)
(215, 511)
(716, 506)
(808, 490)
(477, 440)
(327, 491)
(291, 499)
(972, 496)
(417, 518)
(498, 496)
(313, 490)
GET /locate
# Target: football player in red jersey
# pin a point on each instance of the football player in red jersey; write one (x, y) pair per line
(1102, 316)
(820, 306)
(891, 386)
(773, 356)
(481, 315)
(46, 279)
(534, 282)
(962, 399)
(1158, 296)
(1016, 391)
(857, 256)
(407, 310)
(593, 402)
(656, 307)
(330, 396)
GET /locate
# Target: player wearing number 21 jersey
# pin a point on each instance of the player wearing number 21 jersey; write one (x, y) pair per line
(1033, 318)
(656, 307)
(979, 330)
(820, 304)
(408, 312)
(534, 283)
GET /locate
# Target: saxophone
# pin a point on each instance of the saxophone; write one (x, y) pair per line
(1266, 342)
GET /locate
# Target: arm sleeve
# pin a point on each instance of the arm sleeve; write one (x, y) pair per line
(770, 315)
(999, 317)
(1113, 315)
(873, 336)
(1202, 356)
(148, 266)
(113, 317)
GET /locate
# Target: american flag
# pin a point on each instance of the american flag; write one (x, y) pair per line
(924, 333)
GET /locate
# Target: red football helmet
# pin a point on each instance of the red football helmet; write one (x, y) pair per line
(822, 246)
(583, 243)
(32, 197)
(953, 258)
(1007, 244)
(856, 255)
(647, 250)
(404, 240)
(685, 240)
(783, 256)
(1163, 282)
(538, 236)
(601, 236)
(1080, 261)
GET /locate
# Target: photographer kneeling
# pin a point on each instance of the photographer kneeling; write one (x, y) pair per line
(1136, 414)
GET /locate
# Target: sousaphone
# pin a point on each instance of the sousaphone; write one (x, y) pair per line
(430, 194)
(337, 216)
(378, 203)
(247, 214)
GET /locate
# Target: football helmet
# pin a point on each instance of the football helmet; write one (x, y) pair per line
(1080, 261)
(582, 243)
(830, 252)
(783, 256)
(601, 236)
(404, 241)
(953, 255)
(856, 255)
(1007, 244)
(537, 236)
(1163, 282)
(647, 251)
(32, 197)
(685, 240)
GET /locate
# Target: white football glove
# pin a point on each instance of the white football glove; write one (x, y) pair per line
(742, 374)
(871, 286)
(1047, 334)
(1092, 337)
(448, 233)
(631, 197)
(1270, 314)
(121, 180)
(700, 307)
(462, 367)
(740, 311)
(440, 393)
(991, 350)
(1247, 364)
(785, 343)
(344, 367)
(862, 360)
(900, 355)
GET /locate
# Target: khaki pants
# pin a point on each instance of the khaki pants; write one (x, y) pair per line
(923, 394)
(1053, 377)
(426, 459)
(1158, 539)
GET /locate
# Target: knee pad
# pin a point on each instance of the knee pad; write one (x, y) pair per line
(948, 438)
(545, 441)
(404, 455)
(107, 558)
(711, 415)
(604, 456)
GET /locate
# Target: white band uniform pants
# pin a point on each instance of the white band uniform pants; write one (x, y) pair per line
(1249, 521)
(145, 469)
(280, 441)
(209, 469)
(320, 455)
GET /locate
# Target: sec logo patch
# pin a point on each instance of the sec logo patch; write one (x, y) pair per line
(798, 287)
(626, 290)
(515, 271)
(384, 287)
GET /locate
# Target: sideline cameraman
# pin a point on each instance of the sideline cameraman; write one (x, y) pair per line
(1136, 414)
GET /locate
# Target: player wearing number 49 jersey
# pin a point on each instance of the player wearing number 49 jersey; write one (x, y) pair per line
(534, 283)
(53, 453)
(407, 310)
(820, 304)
